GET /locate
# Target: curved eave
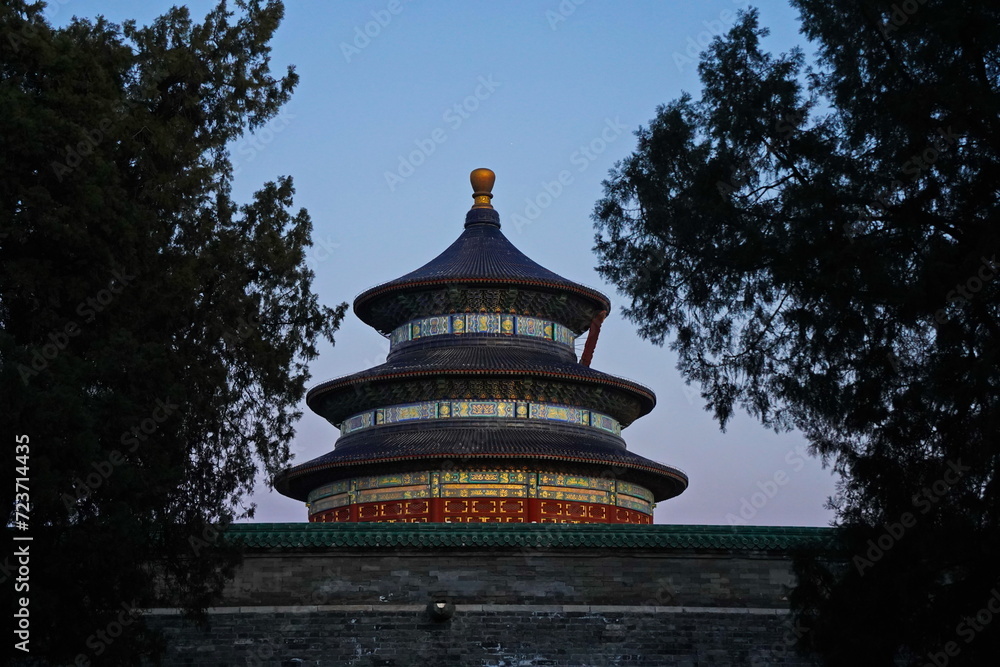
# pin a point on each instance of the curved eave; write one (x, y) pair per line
(364, 301)
(297, 482)
(646, 396)
(409, 446)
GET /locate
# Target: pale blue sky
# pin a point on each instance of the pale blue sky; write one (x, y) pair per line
(541, 87)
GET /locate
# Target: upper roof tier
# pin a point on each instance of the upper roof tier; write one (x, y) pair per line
(480, 260)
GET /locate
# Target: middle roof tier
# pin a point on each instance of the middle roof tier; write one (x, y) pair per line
(468, 371)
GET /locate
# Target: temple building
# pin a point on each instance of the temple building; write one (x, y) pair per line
(482, 411)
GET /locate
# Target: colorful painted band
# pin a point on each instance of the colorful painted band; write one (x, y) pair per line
(490, 323)
(482, 510)
(504, 484)
(395, 414)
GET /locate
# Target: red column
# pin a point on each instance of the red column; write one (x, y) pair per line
(436, 510)
(534, 510)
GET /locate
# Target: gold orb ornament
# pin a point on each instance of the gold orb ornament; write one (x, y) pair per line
(482, 187)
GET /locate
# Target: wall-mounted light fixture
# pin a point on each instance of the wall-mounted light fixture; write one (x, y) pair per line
(440, 609)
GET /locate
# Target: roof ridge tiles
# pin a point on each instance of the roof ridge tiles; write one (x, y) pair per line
(432, 536)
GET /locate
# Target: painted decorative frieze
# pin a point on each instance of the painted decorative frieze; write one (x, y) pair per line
(424, 410)
(482, 323)
(571, 497)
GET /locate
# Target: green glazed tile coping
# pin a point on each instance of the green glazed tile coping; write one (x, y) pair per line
(295, 536)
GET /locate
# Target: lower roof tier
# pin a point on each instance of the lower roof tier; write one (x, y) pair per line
(412, 447)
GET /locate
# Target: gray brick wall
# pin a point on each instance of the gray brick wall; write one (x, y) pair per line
(487, 639)
(586, 606)
(579, 576)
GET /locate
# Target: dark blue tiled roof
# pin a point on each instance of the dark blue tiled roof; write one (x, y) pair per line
(482, 255)
(500, 360)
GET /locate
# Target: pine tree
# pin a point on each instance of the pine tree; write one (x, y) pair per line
(819, 243)
(155, 333)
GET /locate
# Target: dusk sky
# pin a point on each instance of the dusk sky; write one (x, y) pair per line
(399, 100)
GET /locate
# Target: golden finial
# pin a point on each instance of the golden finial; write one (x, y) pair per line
(482, 187)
